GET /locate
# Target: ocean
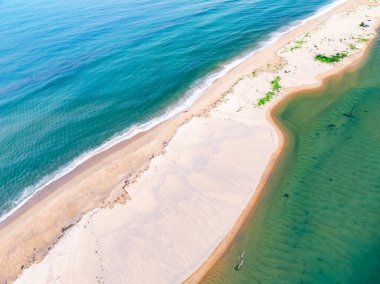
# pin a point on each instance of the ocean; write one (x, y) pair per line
(319, 216)
(76, 77)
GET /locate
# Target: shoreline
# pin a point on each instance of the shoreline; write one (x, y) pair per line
(140, 150)
(105, 150)
(200, 86)
(249, 210)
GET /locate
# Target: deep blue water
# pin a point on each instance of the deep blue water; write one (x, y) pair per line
(74, 74)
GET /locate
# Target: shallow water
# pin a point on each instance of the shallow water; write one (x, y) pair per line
(75, 74)
(319, 218)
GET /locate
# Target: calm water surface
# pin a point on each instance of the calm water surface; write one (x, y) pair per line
(319, 219)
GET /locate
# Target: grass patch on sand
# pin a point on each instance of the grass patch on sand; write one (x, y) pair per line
(362, 40)
(268, 96)
(276, 84)
(331, 59)
(238, 81)
(352, 46)
(299, 43)
(276, 87)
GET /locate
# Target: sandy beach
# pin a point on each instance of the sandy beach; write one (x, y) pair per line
(154, 208)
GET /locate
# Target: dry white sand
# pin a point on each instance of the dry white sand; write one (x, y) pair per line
(185, 204)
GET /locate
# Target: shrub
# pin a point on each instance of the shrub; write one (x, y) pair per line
(276, 84)
(265, 99)
(275, 90)
(331, 59)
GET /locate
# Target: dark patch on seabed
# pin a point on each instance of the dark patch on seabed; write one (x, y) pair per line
(319, 218)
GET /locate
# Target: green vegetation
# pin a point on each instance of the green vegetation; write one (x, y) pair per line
(267, 98)
(362, 40)
(237, 82)
(352, 46)
(276, 84)
(276, 87)
(331, 59)
(298, 43)
(225, 94)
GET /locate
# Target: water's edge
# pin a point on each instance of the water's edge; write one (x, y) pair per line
(189, 99)
(278, 158)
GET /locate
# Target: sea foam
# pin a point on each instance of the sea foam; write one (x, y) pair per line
(188, 99)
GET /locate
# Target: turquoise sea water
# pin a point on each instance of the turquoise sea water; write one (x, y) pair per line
(76, 74)
(319, 217)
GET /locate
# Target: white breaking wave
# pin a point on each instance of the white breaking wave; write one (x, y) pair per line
(189, 98)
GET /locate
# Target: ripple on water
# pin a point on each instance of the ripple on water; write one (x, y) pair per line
(319, 217)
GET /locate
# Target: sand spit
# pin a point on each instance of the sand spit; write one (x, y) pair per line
(188, 179)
